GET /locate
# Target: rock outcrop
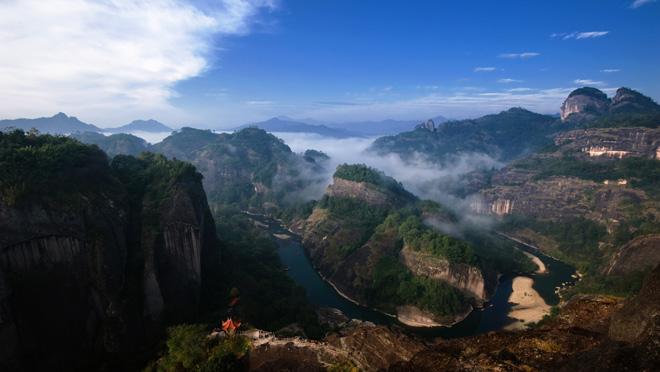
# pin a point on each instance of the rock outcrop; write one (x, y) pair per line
(585, 104)
(93, 274)
(428, 125)
(341, 188)
(466, 278)
(627, 100)
(637, 255)
(354, 344)
(611, 142)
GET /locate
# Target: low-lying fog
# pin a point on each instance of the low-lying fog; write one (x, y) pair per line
(423, 177)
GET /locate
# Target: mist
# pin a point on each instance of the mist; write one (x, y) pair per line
(440, 181)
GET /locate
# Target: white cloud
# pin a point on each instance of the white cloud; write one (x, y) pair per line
(588, 82)
(108, 61)
(420, 176)
(523, 55)
(610, 70)
(637, 3)
(484, 69)
(509, 81)
(580, 35)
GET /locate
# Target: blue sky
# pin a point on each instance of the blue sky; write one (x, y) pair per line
(350, 60)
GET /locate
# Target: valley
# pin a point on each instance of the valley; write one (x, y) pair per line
(334, 264)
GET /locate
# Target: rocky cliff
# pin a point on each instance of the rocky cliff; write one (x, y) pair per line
(607, 176)
(94, 268)
(586, 104)
(466, 278)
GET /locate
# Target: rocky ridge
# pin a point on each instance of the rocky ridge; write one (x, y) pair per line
(586, 104)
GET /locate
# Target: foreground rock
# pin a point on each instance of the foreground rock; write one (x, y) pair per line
(357, 344)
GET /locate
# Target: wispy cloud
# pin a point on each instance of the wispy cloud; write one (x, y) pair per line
(523, 55)
(259, 102)
(109, 61)
(637, 3)
(588, 82)
(337, 103)
(610, 70)
(580, 35)
(428, 87)
(509, 81)
(484, 69)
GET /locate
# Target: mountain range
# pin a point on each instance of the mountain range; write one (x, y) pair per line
(61, 123)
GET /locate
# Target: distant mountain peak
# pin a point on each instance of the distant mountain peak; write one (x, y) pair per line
(149, 125)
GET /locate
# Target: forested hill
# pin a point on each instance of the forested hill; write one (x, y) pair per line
(250, 168)
(505, 136)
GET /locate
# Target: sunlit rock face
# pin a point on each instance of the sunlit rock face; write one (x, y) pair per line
(612, 142)
(584, 103)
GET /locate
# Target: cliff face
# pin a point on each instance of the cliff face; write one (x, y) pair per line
(612, 142)
(603, 175)
(466, 278)
(91, 273)
(585, 104)
(636, 255)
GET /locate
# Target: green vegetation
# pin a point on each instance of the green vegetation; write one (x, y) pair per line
(120, 143)
(394, 285)
(249, 168)
(420, 237)
(616, 285)
(365, 173)
(578, 239)
(619, 120)
(44, 166)
(589, 92)
(270, 300)
(356, 215)
(190, 349)
(506, 135)
(642, 173)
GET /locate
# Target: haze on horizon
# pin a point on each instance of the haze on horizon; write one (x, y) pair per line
(222, 63)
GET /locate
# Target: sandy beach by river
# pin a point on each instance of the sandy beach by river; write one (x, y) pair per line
(541, 269)
(528, 305)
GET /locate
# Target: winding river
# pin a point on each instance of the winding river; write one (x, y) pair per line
(493, 317)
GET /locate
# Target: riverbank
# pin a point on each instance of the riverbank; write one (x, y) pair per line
(528, 305)
(541, 269)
